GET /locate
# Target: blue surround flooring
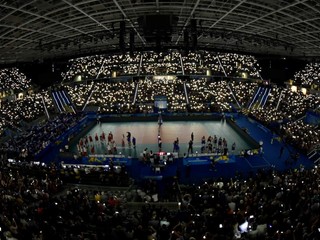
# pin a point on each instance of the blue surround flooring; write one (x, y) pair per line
(198, 169)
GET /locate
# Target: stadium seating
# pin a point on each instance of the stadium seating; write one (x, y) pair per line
(308, 76)
(37, 201)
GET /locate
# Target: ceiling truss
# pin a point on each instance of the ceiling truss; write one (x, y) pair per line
(41, 29)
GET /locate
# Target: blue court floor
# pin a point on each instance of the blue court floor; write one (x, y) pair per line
(196, 169)
(146, 135)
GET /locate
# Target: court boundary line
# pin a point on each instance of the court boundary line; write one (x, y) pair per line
(266, 161)
(197, 145)
(259, 166)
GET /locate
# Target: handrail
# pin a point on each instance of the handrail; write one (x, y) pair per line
(254, 98)
(315, 148)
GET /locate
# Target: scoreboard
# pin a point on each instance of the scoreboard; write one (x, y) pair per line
(160, 102)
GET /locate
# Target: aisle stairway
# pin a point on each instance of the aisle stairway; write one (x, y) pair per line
(62, 101)
(314, 155)
(260, 97)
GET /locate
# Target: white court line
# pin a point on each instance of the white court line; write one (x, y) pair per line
(248, 162)
(258, 166)
(127, 147)
(266, 161)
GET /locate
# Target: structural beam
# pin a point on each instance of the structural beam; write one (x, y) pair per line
(126, 18)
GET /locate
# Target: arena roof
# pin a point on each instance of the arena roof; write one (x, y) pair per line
(40, 29)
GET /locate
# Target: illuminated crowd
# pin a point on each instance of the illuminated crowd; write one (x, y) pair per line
(269, 205)
(163, 63)
(201, 95)
(231, 65)
(160, 63)
(293, 105)
(79, 93)
(192, 64)
(208, 96)
(102, 66)
(243, 91)
(28, 108)
(87, 67)
(11, 79)
(172, 88)
(301, 135)
(37, 203)
(195, 95)
(29, 141)
(21, 112)
(285, 113)
(25, 191)
(308, 76)
(113, 97)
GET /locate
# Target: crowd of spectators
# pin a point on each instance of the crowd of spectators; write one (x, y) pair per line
(25, 145)
(129, 64)
(236, 65)
(295, 104)
(292, 105)
(113, 97)
(163, 63)
(270, 112)
(23, 111)
(172, 88)
(2, 125)
(192, 64)
(208, 96)
(221, 64)
(211, 61)
(37, 204)
(160, 63)
(25, 189)
(268, 205)
(308, 76)
(79, 93)
(243, 91)
(12, 82)
(102, 66)
(195, 95)
(301, 135)
(123, 64)
(12, 79)
(87, 67)
(112, 174)
(283, 109)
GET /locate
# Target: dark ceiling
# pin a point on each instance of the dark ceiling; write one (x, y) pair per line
(42, 29)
